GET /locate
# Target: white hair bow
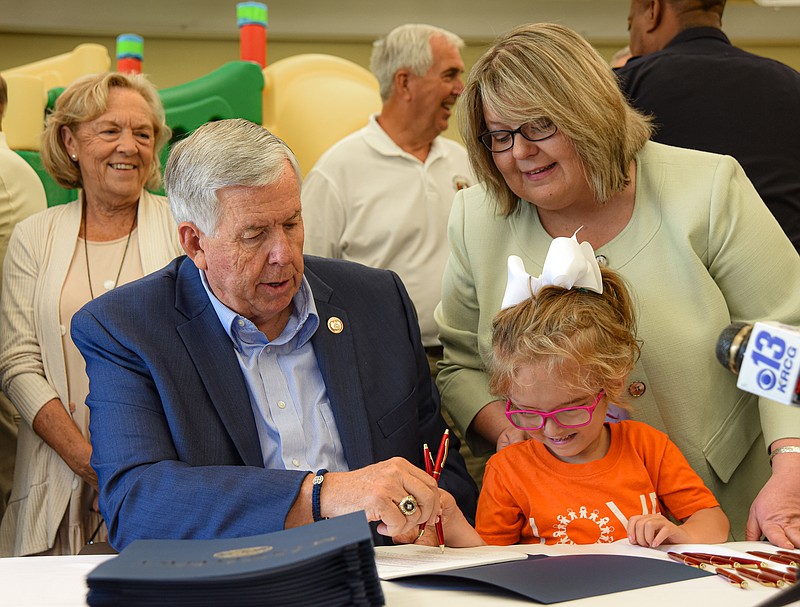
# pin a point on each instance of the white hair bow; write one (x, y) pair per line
(568, 265)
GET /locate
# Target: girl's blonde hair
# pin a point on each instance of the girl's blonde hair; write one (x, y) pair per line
(558, 327)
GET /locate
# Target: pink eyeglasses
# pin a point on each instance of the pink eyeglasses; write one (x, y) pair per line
(568, 417)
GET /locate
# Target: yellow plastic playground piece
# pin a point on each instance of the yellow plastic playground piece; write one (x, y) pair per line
(28, 87)
(313, 100)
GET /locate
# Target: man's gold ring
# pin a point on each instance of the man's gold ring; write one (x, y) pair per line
(408, 505)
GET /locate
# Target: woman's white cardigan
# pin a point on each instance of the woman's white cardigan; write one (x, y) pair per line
(32, 367)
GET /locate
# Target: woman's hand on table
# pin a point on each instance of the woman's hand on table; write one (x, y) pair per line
(775, 513)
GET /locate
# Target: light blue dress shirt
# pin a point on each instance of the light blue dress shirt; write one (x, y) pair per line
(290, 404)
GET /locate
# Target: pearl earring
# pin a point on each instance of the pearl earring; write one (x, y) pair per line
(74, 157)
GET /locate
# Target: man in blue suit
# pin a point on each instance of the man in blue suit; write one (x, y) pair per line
(220, 384)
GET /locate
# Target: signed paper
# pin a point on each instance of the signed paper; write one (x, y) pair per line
(410, 559)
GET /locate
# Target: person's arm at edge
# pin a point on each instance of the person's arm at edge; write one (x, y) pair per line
(145, 489)
(745, 242)
(22, 360)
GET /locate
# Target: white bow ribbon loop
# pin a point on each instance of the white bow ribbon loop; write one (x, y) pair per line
(568, 265)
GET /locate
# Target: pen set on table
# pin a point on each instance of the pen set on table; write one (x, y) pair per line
(738, 570)
(435, 470)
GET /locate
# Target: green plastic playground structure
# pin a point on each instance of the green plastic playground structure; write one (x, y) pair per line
(232, 91)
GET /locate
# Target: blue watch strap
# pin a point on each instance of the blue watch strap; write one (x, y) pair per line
(315, 491)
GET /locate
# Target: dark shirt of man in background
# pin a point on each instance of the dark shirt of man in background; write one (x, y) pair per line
(707, 94)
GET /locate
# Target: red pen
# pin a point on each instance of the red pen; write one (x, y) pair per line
(724, 561)
(702, 560)
(426, 455)
(775, 558)
(793, 555)
(687, 560)
(710, 559)
(732, 577)
(786, 576)
(441, 456)
(762, 577)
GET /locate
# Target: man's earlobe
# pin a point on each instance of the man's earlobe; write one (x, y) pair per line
(401, 79)
(190, 235)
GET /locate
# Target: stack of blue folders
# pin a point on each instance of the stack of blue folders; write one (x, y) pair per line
(331, 562)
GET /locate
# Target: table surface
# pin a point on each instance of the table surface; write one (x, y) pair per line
(56, 581)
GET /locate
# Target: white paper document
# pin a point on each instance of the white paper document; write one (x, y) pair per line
(410, 559)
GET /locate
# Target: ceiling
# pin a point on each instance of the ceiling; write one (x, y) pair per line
(362, 19)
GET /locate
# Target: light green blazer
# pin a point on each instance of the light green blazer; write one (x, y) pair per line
(701, 251)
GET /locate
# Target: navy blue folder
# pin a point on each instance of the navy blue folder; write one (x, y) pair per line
(564, 578)
(331, 562)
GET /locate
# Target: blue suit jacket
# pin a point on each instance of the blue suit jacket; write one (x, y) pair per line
(175, 444)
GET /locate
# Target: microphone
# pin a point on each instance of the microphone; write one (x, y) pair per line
(765, 356)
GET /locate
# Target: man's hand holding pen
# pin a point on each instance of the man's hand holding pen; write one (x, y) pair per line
(385, 491)
(460, 534)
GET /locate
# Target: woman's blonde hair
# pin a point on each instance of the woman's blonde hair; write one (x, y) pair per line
(86, 99)
(563, 327)
(544, 70)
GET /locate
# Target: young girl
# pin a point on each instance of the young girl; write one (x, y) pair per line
(562, 347)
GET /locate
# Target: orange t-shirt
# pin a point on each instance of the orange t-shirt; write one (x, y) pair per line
(531, 497)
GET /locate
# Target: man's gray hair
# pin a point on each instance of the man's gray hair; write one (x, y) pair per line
(407, 46)
(221, 154)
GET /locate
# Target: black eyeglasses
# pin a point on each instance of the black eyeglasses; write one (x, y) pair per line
(501, 141)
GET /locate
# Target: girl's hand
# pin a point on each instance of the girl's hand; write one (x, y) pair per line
(653, 530)
(458, 533)
(511, 435)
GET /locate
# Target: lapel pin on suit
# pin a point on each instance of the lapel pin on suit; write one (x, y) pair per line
(335, 325)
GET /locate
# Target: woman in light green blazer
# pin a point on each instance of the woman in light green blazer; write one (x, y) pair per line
(557, 147)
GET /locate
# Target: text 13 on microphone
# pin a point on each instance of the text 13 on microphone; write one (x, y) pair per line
(771, 363)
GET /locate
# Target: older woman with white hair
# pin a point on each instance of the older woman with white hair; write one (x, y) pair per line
(104, 138)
